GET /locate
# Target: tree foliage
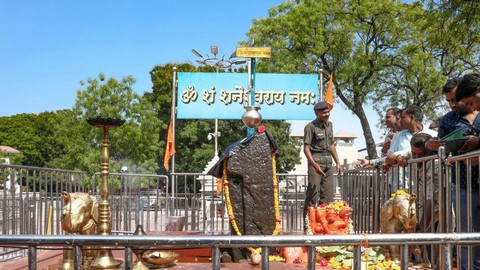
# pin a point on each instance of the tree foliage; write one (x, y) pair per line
(29, 134)
(386, 53)
(135, 143)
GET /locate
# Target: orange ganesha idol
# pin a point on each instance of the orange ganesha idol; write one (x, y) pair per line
(333, 218)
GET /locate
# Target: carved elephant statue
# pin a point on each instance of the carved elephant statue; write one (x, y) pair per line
(398, 215)
(79, 213)
(79, 216)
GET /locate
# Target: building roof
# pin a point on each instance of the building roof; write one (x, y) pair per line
(8, 150)
(344, 134)
(340, 134)
(298, 134)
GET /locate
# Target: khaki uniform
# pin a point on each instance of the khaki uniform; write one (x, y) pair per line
(320, 188)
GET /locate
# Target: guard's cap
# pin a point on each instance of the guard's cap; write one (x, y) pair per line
(322, 105)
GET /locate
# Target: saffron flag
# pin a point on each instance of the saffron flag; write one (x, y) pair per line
(169, 147)
(329, 93)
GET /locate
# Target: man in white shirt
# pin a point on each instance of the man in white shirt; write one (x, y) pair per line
(411, 118)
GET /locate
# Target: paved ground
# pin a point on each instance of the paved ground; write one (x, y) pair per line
(49, 260)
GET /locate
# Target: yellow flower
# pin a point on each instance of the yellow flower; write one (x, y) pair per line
(337, 205)
(274, 258)
(400, 192)
(334, 263)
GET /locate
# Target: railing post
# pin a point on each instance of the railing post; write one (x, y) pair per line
(77, 258)
(265, 260)
(357, 257)
(311, 257)
(405, 257)
(448, 255)
(128, 258)
(216, 257)
(32, 257)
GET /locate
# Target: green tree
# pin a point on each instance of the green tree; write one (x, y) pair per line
(135, 143)
(452, 34)
(371, 47)
(32, 135)
(76, 149)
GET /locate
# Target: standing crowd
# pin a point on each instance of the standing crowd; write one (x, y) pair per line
(408, 138)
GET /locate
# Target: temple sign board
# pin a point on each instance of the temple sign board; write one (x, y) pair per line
(203, 95)
(254, 52)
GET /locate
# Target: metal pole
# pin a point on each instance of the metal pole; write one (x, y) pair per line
(128, 258)
(445, 213)
(32, 257)
(265, 258)
(77, 258)
(311, 257)
(320, 85)
(251, 89)
(405, 257)
(216, 139)
(216, 258)
(215, 156)
(174, 87)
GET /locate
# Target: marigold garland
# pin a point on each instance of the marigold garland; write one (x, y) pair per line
(228, 202)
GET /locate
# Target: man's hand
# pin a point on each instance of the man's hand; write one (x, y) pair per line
(393, 159)
(471, 144)
(402, 161)
(361, 162)
(434, 143)
(339, 169)
(318, 169)
(386, 146)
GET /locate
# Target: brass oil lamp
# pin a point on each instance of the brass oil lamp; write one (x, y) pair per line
(104, 258)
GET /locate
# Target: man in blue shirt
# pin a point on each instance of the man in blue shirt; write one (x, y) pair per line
(466, 117)
(460, 116)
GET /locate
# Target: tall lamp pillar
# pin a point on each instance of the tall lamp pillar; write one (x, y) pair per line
(104, 258)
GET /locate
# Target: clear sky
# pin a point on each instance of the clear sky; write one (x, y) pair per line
(49, 46)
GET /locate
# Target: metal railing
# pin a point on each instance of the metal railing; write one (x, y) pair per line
(34, 206)
(128, 243)
(34, 203)
(437, 182)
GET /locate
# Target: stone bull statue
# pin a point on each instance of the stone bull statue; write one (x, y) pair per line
(79, 216)
(399, 215)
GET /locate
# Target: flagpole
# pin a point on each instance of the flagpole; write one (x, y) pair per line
(172, 118)
(320, 85)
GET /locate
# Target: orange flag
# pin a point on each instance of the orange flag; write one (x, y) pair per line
(170, 147)
(329, 93)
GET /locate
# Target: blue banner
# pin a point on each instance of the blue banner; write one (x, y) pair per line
(224, 95)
